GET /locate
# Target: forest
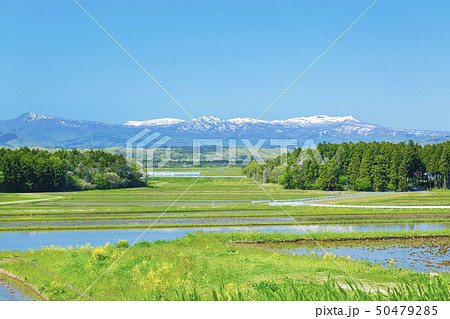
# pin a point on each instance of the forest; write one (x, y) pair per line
(33, 170)
(374, 166)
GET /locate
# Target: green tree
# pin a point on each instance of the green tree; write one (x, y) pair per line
(361, 166)
(444, 165)
(2, 178)
(363, 184)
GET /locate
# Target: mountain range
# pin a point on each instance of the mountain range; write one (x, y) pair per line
(37, 130)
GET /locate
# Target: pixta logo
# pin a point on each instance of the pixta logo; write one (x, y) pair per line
(140, 150)
(142, 147)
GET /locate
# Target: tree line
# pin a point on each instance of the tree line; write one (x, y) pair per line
(375, 166)
(33, 170)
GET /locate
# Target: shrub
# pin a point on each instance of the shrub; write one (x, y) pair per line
(122, 244)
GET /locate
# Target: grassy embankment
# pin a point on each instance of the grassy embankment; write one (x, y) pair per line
(215, 267)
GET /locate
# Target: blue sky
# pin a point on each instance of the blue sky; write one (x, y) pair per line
(228, 59)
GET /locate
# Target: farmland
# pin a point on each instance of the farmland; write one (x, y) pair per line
(174, 200)
(204, 239)
(209, 267)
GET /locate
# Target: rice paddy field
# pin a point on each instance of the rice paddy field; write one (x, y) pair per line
(207, 202)
(203, 239)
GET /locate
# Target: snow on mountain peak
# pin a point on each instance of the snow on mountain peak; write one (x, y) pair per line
(33, 116)
(245, 120)
(212, 120)
(162, 121)
(208, 118)
(322, 119)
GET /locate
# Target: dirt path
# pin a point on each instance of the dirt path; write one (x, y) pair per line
(31, 200)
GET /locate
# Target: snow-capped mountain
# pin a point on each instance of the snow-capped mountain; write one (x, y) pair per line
(33, 129)
(213, 124)
(204, 120)
(298, 121)
(319, 126)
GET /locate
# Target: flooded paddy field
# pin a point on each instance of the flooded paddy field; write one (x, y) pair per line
(421, 255)
(177, 221)
(22, 240)
(149, 221)
(381, 217)
(80, 220)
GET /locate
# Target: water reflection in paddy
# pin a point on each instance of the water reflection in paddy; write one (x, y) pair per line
(8, 292)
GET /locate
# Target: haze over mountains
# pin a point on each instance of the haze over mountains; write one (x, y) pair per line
(37, 130)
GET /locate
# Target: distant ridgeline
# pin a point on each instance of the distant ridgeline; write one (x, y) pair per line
(362, 166)
(32, 170)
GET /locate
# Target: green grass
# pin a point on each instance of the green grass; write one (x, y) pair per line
(211, 267)
(276, 237)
